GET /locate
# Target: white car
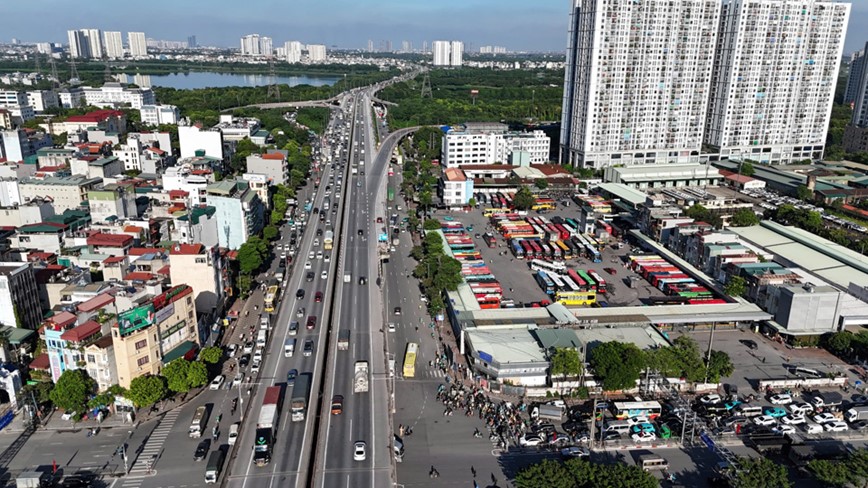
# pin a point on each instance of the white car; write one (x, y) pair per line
(391, 326)
(67, 415)
(248, 347)
(801, 408)
(781, 399)
(233, 349)
(765, 421)
(319, 254)
(638, 420)
(359, 451)
(311, 255)
(236, 382)
(812, 428)
(324, 274)
(254, 368)
(216, 383)
(307, 265)
(530, 440)
(784, 429)
(824, 418)
(709, 399)
(644, 437)
(794, 419)
(327, 257)
(836, 426)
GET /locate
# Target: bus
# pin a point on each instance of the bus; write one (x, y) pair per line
(517, 249)
(488, 212)
(271, 298)
(328, 240)
(548, 267)
(545, 282)
(565, 250)
(537, 250)
(556, 279)
(589, 282)
(583, 285)
(576, 297)
(601, 283)
(570, 284)
(543, 204)
(410, 359)
(528, 249)
(627, 410)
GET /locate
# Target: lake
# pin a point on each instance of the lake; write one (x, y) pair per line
(203, 79)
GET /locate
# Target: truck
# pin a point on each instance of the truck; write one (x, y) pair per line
(214, 466)
(344, 340)
(288, 347)
(266, 425)
(551, 412)
(348, 277)
(33, 479)
(300, 397)
(264, 321)
(328, 240)
(200, 418)
(360, 378)
(856, 413)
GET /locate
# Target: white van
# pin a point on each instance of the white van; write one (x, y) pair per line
(749, 410)
(233, 433)
(288, 347)
(619, 427)
(651, 462)
(261, 337)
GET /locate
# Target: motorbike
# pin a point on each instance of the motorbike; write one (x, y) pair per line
(215, 433)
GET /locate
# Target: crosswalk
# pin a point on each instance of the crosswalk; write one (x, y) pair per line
(151, 451)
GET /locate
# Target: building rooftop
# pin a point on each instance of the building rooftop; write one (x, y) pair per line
(82, 332)
(75, 180)
(187, 249)
(96, 303)
(103, 239)
(663, 172)
(506, 345)
(42, 228)
(627, 193)
(95, 116)
(454, 174)
(557, 338)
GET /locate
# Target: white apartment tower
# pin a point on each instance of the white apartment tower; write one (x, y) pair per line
(456, 53)
(138, 44)
(441, 53)
(293, 51)
(637, 81)
(266, 46)
(94, 43)
(774, 78)
(316, 52)
(250, 45)
(857, 64)
(114, 44)
(78, 45)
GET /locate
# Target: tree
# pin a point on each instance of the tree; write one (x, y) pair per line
(566, 362)
(617, 364)
(838, 343)
(760, 473)
(804, 193)
(697, 212)
(546, 474)
(147, 390)
(735, 287)
(524, 199)
(850, 471)
(211, 355)
(244, 284)
(472, 202)
(249, 257)
(578, 473)
(541, 183)
(72, 390)
(744, 217)
(39, 391)
(719, 366)
(432, 224)
(198, 374)
(270, 232)
(747, 169)
(176, 374)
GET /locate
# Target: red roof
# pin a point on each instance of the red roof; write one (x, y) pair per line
(139, 275)
(82, 332)
(200, 172)
(274, 156)
(165, 270)
(114, 259)
(739, 178)
(187, 249)
(156, 150)
(178, 193)
(141, 251)
(132, 228)
(102, 239)
(550, 169)
(96, 303)
(61, 320)
(95, 116)
(40, 256)
(41, 362)
(455, 174)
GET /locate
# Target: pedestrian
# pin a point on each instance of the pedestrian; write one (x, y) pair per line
(473, 470)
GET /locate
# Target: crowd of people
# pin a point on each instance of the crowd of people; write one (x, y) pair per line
(504, 420)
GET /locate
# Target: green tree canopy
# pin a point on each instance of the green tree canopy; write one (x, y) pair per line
(719, 366)
(850, 471)
(566, 362)
(761, 472)
(40, 391)
(736, 286)
(617, 364)
(211, 355)
(523, 199)
(541, 183)
(747, 169)
(197, 375)
(546, 474)
(744, 217)
(72, 390)
(270, 232)
(147, 390)
(838, 343)
(432, 224)
(578, 473)
(804, 193)
(176, 374)
(252, 254)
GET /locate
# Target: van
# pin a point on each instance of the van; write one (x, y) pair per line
(749, 410)
(261, 337)
(651, 462)
(233, 433)
(619, 427)
(264, 321)
(806, 372)
(288, 348)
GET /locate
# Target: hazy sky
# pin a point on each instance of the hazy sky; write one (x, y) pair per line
(534, 25)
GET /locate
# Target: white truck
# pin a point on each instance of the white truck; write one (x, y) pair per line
(360, 378)
(200, 418)
(288, 347)
(856, 413)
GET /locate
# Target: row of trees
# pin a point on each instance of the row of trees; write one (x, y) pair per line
(812, 222)
(74, 390)
(743, 217)
(419, 173)
(852, 470)
(619, 365)
(436, 271)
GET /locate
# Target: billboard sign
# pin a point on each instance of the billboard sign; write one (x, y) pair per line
(164, 313)
(135, 319)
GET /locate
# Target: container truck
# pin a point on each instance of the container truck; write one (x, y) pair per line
(266, 426)
(344, 339)
(200, 418)
(360, 379)
(857, 413)
(300, 397)
(215, 465)
(328, 240)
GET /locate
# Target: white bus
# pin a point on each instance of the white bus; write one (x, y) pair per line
(558, 267)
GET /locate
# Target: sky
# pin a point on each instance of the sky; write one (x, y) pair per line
(519, 25)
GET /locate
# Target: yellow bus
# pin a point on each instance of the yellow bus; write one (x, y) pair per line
(576, 297)
(410, 360)
(488, 212)
(271, 298)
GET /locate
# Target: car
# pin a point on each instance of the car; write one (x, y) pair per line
(293, 327)
(309, 277)
(300, 293)
(752, 345)
(319, 232)
(794, 419)
(363, 280)
(318, 297)
(803, 408)
(236, 381)
(643, 428)
(611, 271)
(397, 310)
(244, 361)
(68, 415)
(324, 274)
(709, 399)
(644, 437)
(836, 426)
(530, 440)
(307, 265)
(311, 255)
(359, 448)
(327, 258)
(233, 349)
(765, 421)
(217, 382)
(290, 377)
(576, 452)
(824, 418)
(308, 347)
(732, 404)
(812, 428)
(638, 420)
(248, 347)
(319, 254)
(610, 435)
(300, 312)
(774, 412)
(311, 322)
(391, 326)
(337, 404)
(781, 399)
(202, 450)
(859, 425)
(784, 429)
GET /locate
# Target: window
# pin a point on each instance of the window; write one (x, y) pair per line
(201, 260)
(91, 358)
(141, 344)
(143, 361)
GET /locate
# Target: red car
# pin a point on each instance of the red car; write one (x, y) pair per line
(311, 322)
(611, 271)
(318, 297)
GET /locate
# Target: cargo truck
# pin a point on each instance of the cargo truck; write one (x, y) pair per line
(328, 240)
(215, 465)
(266, 425)
(288, 347)
(200, 418)
(300, 396)
(344, 339)
(857, 413)
(360, 378)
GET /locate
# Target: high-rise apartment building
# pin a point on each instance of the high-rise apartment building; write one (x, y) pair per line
(316, 52)
(94, 43)
(138, 44)
(191, 42)
(774, 79)
(78, 45)
(856, 134)
(266, 46)
(857, 64)
(293, 51)
(442, 53)
(250, 45)
(406, 46)
(370, 45)
(456, 53)
(636, 81)
(114, 44)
